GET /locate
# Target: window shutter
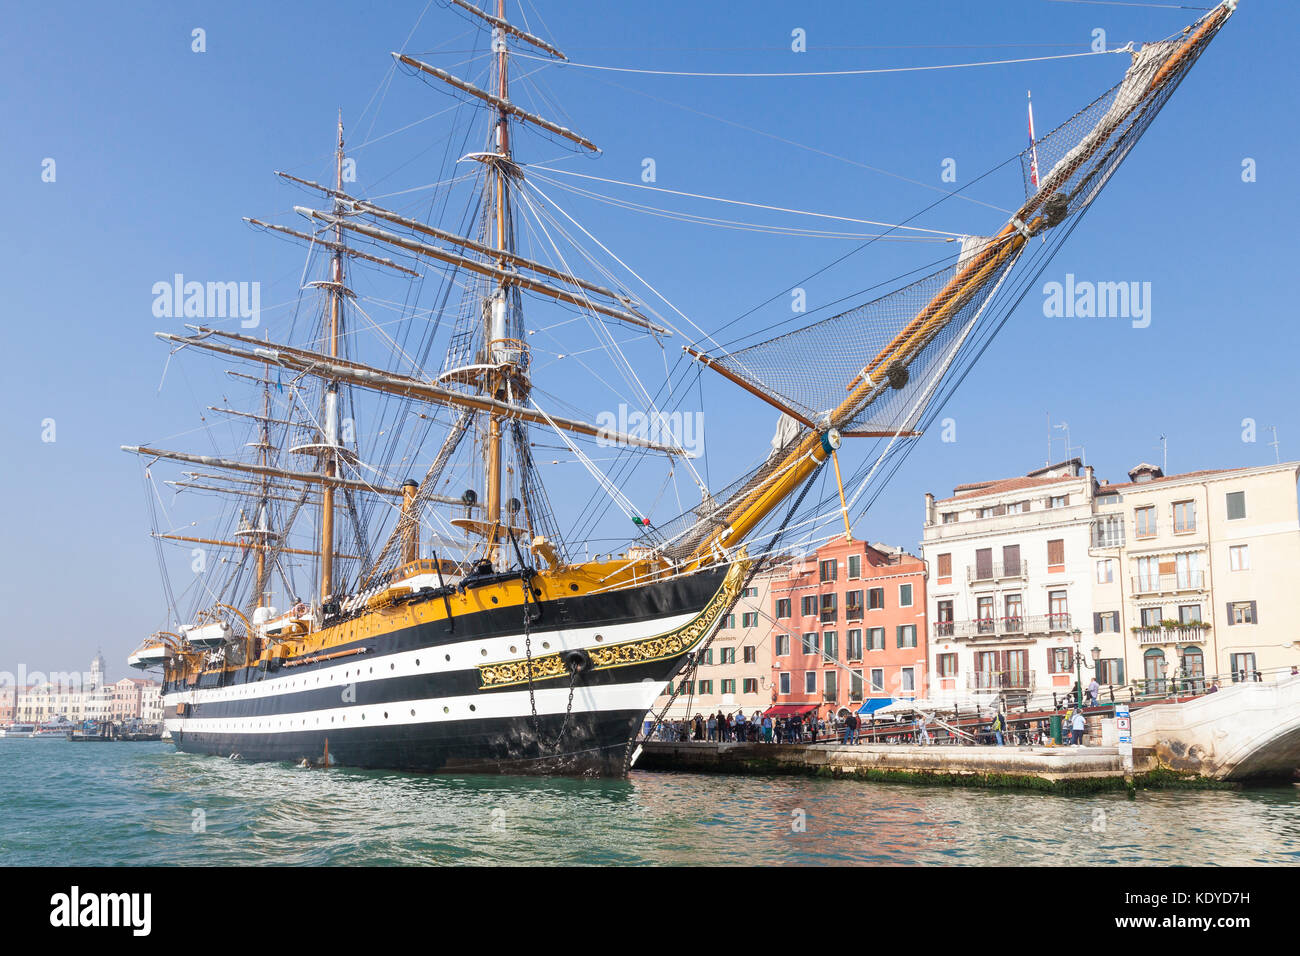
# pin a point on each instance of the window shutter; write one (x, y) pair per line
(1096, 622)
(1000, 510)
(1230, 620)
(1254, 613)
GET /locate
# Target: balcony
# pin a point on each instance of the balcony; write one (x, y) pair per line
(999, 627)
(1168, 583)
(1000, 680)
(990, 573)
(1182, 634)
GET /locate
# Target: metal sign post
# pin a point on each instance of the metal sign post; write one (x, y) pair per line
(1124, 729)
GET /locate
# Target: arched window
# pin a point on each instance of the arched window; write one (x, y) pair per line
(1153, 662)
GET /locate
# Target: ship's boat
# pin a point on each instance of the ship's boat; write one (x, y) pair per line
(448, 624)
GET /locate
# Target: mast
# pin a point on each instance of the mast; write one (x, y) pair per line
(328, 459)
(495, 316)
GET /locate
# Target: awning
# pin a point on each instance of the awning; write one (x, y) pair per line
(873, 704)
(789, 710)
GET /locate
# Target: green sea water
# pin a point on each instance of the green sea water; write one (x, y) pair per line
(133, 804)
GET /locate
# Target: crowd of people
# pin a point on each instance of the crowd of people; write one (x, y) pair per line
(755, 728)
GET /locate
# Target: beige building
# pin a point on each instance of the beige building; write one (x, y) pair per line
(1197, 571)
(735, 672)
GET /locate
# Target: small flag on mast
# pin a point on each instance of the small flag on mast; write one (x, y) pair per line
(1033, 146)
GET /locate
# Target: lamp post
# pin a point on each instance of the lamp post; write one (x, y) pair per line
(1079, 664)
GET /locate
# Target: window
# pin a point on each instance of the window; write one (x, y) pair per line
(984, 513)
(1110, 671)
(944, 627)
(853, 645)
(783, 683)
(1058, 501)
(1236, 505)
(905, 595)
(1242, 612)
(1015, 612)
(945, 568)
(811, 643)
(984, 613)
(1144, 522)
(750, 593)
(749, 685)
(1184, 516)
(1059, 660)
(1058, 609)
(947, 664)
(810, 682)
(706, 687)
(1108, 499)
(830, 644)
(908, 677)
(829, 610)
(877, 679)
(906, 635)
(855, 685)
(853, 606)
(950, 517)
(728, 686)
(1239, 557)
(831, 685)
(686, 687)
(1105, 622)
(1011, 560)
(782, 645)
(828, 570)
(1148, 574)
(1151, 616)
(1056, 554)
(726, 655)
(808, 606)
(749, 619)
(1017, 507)
(875, 638)
(1188, 570)
(1106, 571)
(751, 654)
(1243, 667)
(876, 599)
(783, 607)
(1189, 614)
(729, 621)
(706, 656)
(855, 566)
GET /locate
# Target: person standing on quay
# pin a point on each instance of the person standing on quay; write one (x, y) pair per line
(1077, 724)
(1094, 689)
(997, 727)
(740, 726)
(713, 726)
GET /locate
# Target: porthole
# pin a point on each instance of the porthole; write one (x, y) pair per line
(599, 637)
(412, 711)
(392, 667)
(472, 707)
(494, 599)
(483, 652)
(537, 592)
(513, 649)
(573, 587)
(546, 645)
(417, 662)
(446, 710)
(385, 715)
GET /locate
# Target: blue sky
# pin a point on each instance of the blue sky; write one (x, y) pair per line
(160, 151)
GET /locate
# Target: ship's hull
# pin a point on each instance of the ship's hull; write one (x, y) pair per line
(428, 699)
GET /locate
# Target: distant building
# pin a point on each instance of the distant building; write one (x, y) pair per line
(1039, 578)
(849, 629)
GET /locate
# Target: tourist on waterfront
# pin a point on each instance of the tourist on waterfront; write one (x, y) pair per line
(767, 730)
(1077, 723)
(740, 726)
(1094, 689)
(756, 727)
(999, 724)
(922, 734)
(713, 726)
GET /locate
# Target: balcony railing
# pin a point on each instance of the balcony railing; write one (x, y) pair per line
(1171, 635)
(1168, 583)
(1018, 570)
(1000, 680)
(1003, 626)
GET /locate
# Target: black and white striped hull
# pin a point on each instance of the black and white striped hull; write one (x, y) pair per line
(417, 699)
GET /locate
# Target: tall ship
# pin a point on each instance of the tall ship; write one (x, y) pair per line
(389, 584)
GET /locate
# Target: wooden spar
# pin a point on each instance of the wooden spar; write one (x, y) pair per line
(790, 472)
(502, 275)
(332, 246)
(492, 448)
(499, 102)
(307, 477)
(255, 416)
(707, 362)
(328, 464)
(197, 486)
(510, 28)
(510, 256)
(365, 376)
(217, 543)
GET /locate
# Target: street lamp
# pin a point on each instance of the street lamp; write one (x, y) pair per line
(1079, 662)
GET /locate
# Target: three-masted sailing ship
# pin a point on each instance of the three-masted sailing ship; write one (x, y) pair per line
(472, 634)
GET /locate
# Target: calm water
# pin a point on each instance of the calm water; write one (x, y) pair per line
(114, 804)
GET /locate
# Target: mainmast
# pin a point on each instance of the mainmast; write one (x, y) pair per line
(329, 461)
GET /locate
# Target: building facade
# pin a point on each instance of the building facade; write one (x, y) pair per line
(849, 628)
(735, 671)
(1196, 572)
(1040, 580)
